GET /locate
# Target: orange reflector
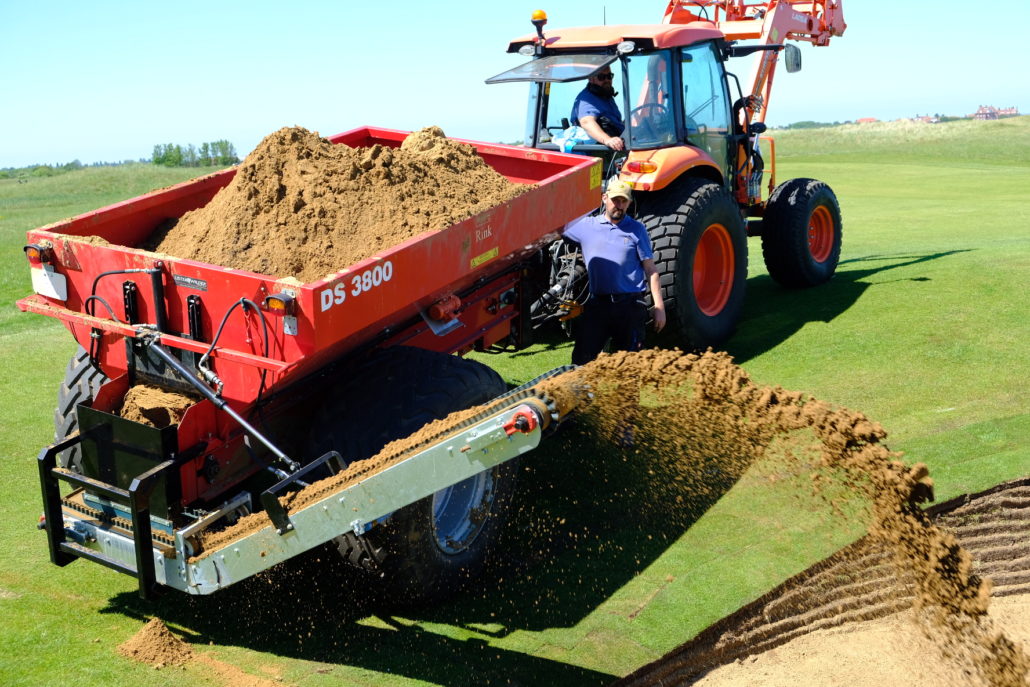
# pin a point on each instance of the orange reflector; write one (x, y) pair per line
(641, 167)
(280, 304)
(37, 254)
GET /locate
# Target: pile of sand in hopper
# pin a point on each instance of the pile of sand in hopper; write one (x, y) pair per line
(300, 206)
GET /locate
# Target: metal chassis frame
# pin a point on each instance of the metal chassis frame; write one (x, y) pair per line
(137, 498)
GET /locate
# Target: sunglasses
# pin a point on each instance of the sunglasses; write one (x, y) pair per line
(605, 77)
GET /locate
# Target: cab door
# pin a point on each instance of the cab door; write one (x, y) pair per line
(706, 102)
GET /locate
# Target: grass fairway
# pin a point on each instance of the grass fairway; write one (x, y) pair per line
(924, 329)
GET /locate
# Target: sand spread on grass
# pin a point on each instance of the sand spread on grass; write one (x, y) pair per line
(695, 416)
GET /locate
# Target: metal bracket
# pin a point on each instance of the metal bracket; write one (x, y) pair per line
(137, 497)
(270, 497)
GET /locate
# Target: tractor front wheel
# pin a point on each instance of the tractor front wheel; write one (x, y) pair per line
(801, 233)
(700, 246)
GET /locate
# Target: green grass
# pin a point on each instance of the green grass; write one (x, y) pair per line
(35, 202)
(924, 329)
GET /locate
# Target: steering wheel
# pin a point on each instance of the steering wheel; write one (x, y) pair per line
(652, 115)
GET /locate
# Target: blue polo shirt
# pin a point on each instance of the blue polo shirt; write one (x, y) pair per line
(588, 104)
(614, 253)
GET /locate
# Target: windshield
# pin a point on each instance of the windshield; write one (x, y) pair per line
(646, 107)
(555, 68)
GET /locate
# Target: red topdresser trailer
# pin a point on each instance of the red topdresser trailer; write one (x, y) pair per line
(295, 381)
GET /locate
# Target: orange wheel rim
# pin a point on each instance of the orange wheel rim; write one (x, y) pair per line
(820, 234)
(713, 270)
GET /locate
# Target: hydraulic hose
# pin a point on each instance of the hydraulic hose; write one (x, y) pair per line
(222, 404)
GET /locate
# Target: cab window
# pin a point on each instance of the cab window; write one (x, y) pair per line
(652, 113)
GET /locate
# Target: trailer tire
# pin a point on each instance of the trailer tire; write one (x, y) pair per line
(700, 247)
(394, 394)
(82, 380)
(801, 233)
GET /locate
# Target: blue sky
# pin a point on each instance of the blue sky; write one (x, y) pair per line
(105, 81)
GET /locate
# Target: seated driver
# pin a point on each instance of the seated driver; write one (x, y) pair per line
(596, 111)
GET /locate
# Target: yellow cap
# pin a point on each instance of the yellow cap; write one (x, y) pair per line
(617, 188)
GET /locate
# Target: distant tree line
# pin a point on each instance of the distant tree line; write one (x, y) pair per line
(808, 124)
(53, 170)
(213, 154)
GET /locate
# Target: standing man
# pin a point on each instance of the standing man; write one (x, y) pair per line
(620, 269)
(596, 111)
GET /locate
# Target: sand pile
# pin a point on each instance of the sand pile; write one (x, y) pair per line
(151, 405)
(301, 206)
(157, 646)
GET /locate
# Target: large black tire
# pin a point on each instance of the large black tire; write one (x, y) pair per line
(700, 246)
(417, 556)
(801, 233)
(82, 380)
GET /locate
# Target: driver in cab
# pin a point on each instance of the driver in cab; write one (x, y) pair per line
(596, 112)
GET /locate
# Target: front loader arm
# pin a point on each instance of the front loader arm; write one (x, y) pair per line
(770, 23)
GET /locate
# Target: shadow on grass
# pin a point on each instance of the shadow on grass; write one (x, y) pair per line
(772, 314)
(588, 522)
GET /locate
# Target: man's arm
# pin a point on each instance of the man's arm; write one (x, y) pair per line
(651, 272)
(590, 125)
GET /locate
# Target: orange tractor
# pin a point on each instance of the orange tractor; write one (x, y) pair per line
(692, 146)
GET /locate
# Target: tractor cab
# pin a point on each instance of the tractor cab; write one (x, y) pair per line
(691, 152)
(668, 95)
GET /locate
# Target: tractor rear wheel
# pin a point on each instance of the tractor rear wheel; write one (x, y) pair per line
(700, 247)
(82, 380)
(801, 233)
(434, 546)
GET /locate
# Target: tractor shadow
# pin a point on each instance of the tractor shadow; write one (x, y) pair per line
(772, 314)
(579, 534)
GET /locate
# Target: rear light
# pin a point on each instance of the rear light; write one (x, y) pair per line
(445, 308)
(637, 167)
(39, 254)
(280, 304)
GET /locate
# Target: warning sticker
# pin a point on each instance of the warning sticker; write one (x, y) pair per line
(480, 259)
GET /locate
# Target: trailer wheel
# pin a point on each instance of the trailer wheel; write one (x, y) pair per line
(801, 233)
(82, 380)
(700, 246)
(436, 545)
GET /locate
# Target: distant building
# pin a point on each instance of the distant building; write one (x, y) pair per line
(866, 120)
(991, 112)
(926, 119)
